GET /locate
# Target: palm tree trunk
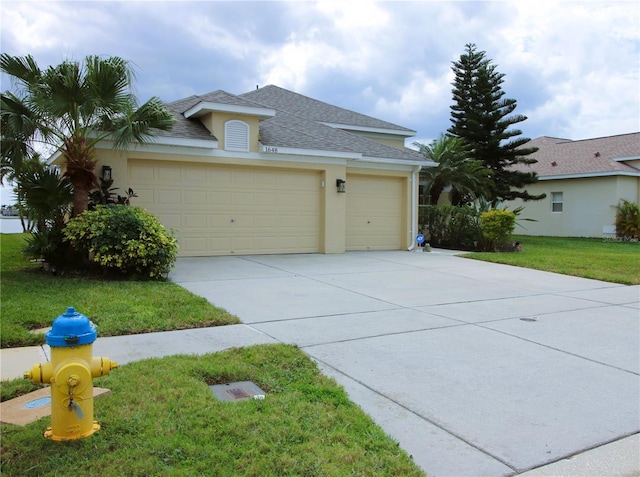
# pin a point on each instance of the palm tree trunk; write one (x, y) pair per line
(80, 166)
(80, 198)
(435, 192)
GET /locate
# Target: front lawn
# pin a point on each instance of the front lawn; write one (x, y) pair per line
(32, 299)
(600, 259)
(162, 419)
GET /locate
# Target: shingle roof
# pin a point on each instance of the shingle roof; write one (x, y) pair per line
(557, 157)
(186, 128)
(314, 110)
(287, 130)
(297, 123)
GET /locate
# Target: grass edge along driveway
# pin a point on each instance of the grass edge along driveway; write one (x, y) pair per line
(604, 259)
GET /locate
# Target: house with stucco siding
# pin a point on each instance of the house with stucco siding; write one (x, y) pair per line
(272, 171)
(583, 181)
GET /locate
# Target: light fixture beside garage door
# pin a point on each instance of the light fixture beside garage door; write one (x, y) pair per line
(340, 184)
(106, 174)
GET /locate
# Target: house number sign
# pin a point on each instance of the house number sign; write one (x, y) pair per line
(270, 149)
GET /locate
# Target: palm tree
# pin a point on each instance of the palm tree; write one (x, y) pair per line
(70, 108)
(456, 168)
(43, 196)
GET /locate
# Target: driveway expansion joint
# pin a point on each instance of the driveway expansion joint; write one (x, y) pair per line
(420, 416)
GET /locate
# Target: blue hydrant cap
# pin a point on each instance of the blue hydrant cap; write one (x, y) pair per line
(71, 329)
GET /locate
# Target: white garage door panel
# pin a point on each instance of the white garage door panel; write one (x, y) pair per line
(374, 213)
(170, 197)
(195, 197)
(219, 210)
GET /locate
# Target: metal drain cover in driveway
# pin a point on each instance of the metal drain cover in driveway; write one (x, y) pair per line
(237, 391)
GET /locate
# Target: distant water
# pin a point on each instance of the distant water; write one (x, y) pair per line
(10, 225)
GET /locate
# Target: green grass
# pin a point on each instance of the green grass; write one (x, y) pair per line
(610, 261)
(161, 419)
(32, 299)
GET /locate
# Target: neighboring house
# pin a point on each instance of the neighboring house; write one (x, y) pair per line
(263, 173)
(584, 181)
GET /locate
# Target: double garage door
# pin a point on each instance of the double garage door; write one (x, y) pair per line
(225, 210)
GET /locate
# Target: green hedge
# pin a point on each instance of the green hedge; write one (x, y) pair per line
(453, 227)
(125, 239)
(497, 227)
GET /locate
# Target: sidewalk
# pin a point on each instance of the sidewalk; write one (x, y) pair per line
(617, 459)
(125, 349)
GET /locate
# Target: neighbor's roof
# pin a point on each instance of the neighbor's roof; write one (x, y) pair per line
(299, 122)
(587, 157)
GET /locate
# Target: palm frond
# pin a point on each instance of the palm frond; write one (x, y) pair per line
(22, 69)
(140, 125)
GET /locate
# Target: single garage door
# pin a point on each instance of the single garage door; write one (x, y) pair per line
(224, 210)
(375, 211)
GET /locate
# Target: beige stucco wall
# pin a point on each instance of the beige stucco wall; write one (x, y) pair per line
(397, 143)
(332, 231)
(333, 204)
(629, 188)
(588, 206)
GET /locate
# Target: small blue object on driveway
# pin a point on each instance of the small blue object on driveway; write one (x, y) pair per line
(420, 239)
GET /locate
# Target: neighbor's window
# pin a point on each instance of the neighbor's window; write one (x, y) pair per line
(236, 136)
(556, 202)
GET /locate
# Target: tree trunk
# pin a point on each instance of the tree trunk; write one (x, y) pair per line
(80, 167)
(456, 197)
(435, 192)
(80, 199)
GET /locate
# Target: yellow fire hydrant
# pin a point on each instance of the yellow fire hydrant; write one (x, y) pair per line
(70, 373)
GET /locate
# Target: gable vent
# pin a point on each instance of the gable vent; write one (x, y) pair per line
(236, 136)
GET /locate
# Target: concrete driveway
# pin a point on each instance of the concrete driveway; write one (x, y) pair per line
(475, 368)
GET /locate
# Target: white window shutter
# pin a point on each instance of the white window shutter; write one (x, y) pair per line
(236, 136)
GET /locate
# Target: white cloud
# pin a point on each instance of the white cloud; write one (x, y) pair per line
(209, 35)
(31, 25)
(422, 96)
(585, 57)
(572, 66)
(342, 38)
(292, 64)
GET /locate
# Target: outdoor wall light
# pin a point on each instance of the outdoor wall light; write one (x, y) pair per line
(340, 184)
(106, 173)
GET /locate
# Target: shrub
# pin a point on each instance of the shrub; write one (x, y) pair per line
(497, 226)
(451, 226)
(627, 220)
(126, 239)
(47, 245)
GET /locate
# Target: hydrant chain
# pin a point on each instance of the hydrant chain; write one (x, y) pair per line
(70, 399)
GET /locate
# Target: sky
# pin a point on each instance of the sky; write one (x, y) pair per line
(573, 67)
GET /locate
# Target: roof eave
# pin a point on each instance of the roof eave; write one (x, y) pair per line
(350, 127)
(585, 175)
(164, 141)
(278, 150)
(406, 162)
(627, 158)
(206, 107)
